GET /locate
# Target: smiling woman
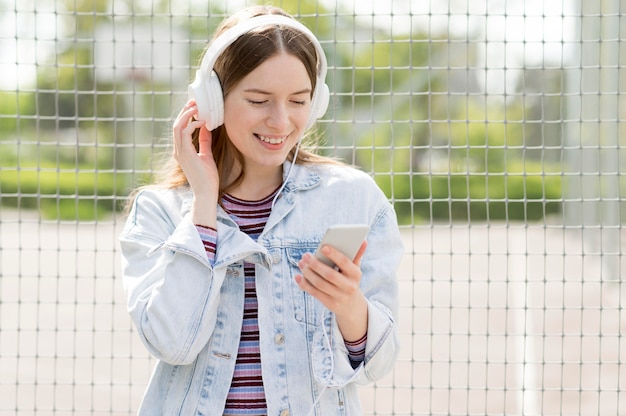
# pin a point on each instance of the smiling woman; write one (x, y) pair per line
(217, 256)
(272, 105)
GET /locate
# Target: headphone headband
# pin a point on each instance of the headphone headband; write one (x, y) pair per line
(207, 91)
(231, 34)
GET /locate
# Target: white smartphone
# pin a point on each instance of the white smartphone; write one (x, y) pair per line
(346, 238)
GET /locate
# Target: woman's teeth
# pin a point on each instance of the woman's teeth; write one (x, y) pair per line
(271, 140)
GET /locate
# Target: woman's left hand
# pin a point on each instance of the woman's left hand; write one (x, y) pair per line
(337, 288)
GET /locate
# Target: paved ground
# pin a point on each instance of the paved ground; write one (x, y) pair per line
(494, 320)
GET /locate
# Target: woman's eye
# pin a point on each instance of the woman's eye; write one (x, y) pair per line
(262, 102)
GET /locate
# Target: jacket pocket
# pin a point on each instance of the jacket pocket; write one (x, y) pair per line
(306, 308)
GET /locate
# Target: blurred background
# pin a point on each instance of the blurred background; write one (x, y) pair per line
(494, 127)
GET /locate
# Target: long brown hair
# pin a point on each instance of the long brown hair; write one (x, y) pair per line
(238, 60)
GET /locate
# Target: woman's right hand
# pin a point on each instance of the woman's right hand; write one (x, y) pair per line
(199, 166)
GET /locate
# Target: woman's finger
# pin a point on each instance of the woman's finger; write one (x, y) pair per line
(360, 253)
(204, 140)
(185, 116)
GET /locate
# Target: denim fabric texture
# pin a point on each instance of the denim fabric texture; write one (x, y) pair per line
(188, 313)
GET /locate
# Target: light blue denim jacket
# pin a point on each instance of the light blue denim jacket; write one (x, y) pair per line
(189, 313)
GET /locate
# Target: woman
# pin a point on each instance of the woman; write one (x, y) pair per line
(217, 256)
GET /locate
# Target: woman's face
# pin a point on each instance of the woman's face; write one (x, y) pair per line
(266, 112)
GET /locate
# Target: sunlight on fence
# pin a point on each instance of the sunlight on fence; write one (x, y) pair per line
(493, 127)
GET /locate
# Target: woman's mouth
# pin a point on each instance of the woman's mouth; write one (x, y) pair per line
(271, 139)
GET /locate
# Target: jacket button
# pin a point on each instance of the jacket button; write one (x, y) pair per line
(284, 412)
(275, 258)
(279, 339)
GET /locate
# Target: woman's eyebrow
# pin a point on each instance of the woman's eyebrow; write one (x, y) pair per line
(260, 91)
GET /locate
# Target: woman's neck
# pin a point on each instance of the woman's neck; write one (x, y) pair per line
(257, 184)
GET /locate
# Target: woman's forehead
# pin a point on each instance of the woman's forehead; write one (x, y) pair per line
(283, 71)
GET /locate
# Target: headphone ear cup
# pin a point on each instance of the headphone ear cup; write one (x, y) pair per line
(207, 93)
(319, 104)
(215, 99)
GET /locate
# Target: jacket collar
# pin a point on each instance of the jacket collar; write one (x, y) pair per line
(301, 177)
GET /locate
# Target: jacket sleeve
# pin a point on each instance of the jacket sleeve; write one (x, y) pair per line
(173, 292)
(379, 284)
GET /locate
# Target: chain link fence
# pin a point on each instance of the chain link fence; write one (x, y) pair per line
(495, 128)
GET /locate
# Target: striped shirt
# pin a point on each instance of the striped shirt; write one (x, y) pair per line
(247, 393)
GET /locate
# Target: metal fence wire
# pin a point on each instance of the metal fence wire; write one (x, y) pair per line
(494, 127)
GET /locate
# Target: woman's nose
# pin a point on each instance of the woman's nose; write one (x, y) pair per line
(278, 117)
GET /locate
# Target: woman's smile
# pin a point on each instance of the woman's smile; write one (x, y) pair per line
(271, 139)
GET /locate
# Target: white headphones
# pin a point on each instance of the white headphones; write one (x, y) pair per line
(206, 89)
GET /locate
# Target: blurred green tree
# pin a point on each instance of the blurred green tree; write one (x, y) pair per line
(407, 108)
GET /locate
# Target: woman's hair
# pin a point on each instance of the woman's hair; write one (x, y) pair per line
(235, 63)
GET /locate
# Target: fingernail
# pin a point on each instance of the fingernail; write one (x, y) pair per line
(304, 260)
